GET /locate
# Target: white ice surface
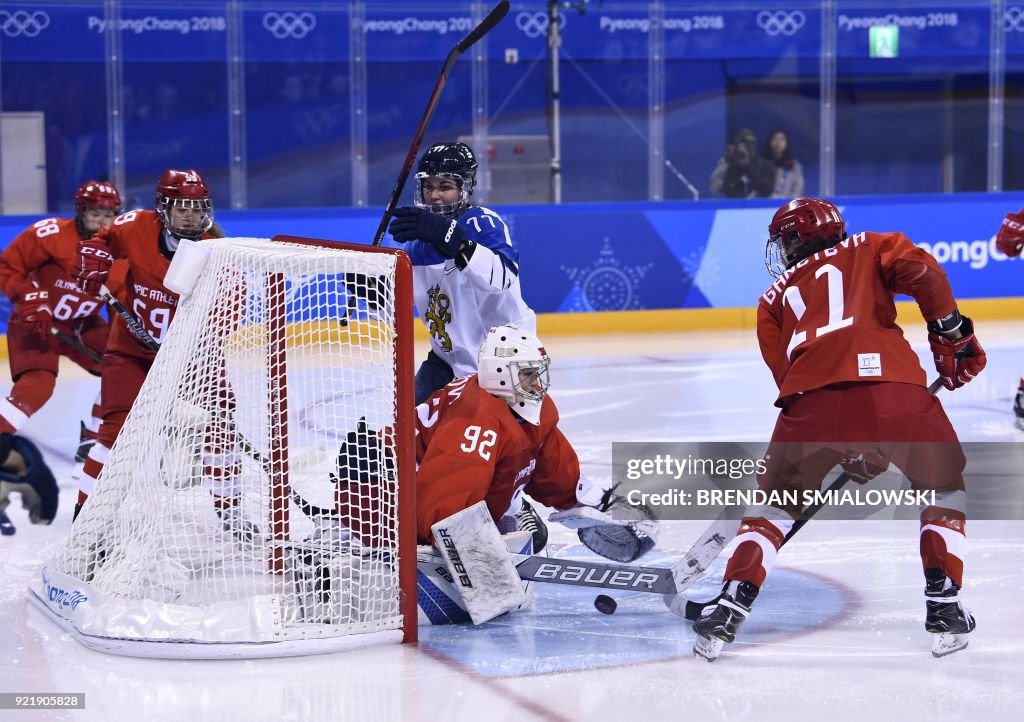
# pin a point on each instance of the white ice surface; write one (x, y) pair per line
(836, 634)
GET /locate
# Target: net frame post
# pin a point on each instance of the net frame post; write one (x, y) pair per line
(277, 411)
(405, 431)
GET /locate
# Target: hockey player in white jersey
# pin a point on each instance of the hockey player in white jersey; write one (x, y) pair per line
(465, 270)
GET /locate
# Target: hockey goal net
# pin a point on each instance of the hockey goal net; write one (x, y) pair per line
(224, 522)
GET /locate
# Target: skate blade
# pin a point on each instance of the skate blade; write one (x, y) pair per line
(708, 649)
(946, 643)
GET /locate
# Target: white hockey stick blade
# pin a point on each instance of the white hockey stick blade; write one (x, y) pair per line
(946, 643)
(704, 551)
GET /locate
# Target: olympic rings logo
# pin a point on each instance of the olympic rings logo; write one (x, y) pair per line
(289, 25)
(781, 22)
(1013, 19)
(535, 25)
(22, 22)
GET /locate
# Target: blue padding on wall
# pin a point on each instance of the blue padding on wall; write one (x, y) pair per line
(632, 256)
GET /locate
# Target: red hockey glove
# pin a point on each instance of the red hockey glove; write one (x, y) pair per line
(864, 467)
(32, 305)
(959, 360)
(93, 265)
(1010, 238)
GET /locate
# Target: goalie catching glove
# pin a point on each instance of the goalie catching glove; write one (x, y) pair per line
(613, 528)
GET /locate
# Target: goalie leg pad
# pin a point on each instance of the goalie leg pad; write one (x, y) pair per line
(479, 563)
(437, 598)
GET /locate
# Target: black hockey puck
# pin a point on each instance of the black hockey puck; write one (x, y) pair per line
(605, 604)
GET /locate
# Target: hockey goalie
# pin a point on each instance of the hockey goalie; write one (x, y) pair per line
(481, 442)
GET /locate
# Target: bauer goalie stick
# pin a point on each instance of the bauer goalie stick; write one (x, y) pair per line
(76, 343)
(486, 25)
(695, 609)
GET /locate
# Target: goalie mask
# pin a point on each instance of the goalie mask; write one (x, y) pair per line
(453, 161)
(800, 229)
(96, 204)
(183, 203)
(513, 366)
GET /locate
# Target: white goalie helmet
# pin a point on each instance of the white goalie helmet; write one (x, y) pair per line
(513, 366)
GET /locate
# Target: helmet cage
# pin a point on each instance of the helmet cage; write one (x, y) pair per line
(530, 379)
(447, 160)
(449, 210)
(514, 366)
(164, 204)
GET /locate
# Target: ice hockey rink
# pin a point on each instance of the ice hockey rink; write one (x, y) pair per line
(837, 632)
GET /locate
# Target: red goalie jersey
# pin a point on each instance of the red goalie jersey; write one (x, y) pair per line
(471, 447)
(831, 318)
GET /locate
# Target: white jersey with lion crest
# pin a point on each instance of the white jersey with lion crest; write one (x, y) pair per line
(460, 306)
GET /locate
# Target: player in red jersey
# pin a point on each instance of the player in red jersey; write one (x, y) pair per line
(36, 274)
(852, 392)
(1010, 241)
(146, 240)
(491, 436)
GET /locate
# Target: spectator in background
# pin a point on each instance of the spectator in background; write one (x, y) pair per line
(741, 172)
(789, 174)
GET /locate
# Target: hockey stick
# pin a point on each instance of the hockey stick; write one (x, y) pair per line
(139, 331)
(486, 25)
(76, 344)
(656, 580)
(694, 609)
(134, 327)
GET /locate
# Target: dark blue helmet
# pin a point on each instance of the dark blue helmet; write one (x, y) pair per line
(448, 160)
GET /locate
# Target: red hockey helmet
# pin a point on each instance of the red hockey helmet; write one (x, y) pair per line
(97, 194)
(186, 190)
(801, 228)
(104, 202)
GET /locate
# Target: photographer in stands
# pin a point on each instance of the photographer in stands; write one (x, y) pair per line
(742, 172)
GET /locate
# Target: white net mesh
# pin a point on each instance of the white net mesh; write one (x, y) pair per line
(251, 496)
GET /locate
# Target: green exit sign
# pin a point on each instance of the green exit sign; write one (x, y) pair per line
(884, 41)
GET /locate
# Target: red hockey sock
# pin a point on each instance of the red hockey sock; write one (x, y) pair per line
(756, 545)
(943, 546)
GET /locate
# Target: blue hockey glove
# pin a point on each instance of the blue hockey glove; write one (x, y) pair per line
(419, 224)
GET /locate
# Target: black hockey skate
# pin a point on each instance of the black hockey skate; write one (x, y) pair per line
(945, 616)
(1018, 406)
(527, 519)
(720, 623)
(86, 440)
